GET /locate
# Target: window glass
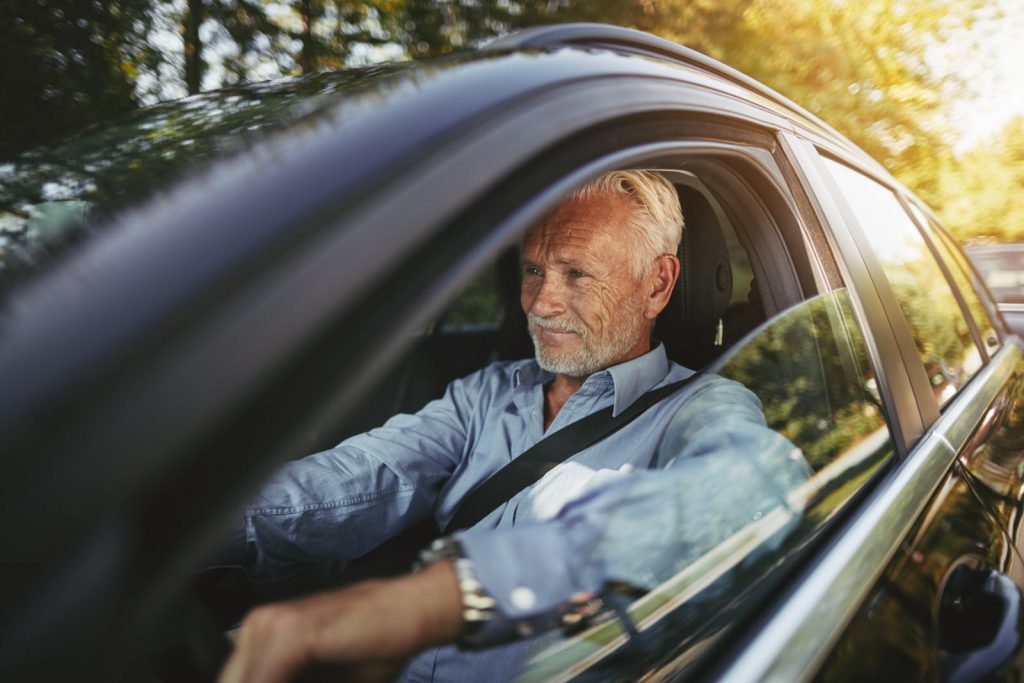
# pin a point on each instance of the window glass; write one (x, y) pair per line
(942, 334)
(700, 539)
(478, 307)
(958, 268)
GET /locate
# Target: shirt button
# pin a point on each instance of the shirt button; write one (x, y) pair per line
(523, 598)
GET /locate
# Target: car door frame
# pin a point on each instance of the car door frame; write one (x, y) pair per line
(796, 634)
(188, 346)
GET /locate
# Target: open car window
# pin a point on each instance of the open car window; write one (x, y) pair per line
(699, 540)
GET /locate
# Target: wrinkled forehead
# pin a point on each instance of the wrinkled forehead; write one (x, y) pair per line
(584, 226)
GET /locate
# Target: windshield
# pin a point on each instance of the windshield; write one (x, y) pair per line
(54, 197)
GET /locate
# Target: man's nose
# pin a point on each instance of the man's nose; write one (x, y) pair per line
(548, 298)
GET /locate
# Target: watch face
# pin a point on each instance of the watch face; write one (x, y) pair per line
(445, 548)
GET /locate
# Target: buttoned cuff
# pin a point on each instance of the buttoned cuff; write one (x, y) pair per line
(530, 571)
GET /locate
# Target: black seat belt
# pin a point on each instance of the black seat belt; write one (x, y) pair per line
(548, 453)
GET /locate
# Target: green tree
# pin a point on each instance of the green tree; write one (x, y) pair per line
(241, 29)
(65, 64)
(328, 31)
(983, 190)
(860, 66)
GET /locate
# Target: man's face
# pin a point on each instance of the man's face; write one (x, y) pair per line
(584, 305)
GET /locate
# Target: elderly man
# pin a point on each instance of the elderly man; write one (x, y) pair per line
(596, 274)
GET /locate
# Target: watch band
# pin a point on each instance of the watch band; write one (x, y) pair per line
(484, 625)
(477, 604)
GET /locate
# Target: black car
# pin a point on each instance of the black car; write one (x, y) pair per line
(210, 287)
(1002, 266)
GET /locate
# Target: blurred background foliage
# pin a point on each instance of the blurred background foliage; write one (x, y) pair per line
(866, 67)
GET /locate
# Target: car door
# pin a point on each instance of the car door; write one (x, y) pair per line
(903, 543)
(243, 316)
(916, 585)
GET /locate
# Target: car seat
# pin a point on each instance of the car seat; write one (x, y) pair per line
(692, 326)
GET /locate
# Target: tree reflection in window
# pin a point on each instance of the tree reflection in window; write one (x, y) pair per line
(941, 333)
(54, 198)
(808, 367)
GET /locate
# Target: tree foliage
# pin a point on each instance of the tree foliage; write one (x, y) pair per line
(862, 66)
(64, 64)
(982, 191)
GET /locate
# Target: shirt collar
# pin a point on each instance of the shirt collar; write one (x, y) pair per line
(631, 379)
(636, 377)
(529, 374)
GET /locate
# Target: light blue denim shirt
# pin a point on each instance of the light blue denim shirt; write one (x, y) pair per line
(343, 502)
(550, 541)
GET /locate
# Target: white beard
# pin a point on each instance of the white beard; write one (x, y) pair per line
(594, 354)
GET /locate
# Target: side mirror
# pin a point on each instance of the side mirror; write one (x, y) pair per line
(980, 629)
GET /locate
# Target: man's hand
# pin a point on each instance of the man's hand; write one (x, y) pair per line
(366, 632)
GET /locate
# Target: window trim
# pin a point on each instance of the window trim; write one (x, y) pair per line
(884, 340)
(737, 160)
(944, 266)
(970, 271)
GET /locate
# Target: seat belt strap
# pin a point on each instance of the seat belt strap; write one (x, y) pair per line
(550, 452)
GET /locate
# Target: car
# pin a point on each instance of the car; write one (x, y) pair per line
(1002, 266)
(196, 293)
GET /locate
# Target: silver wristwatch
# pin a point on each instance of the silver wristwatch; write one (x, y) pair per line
(477, 605)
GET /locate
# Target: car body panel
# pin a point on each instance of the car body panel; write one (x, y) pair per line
(253, 300)
(905, 610)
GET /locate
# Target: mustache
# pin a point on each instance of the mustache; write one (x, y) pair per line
(555, 324)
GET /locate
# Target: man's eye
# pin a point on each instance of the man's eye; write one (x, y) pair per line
(576, 274)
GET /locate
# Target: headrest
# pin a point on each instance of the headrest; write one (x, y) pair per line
(689, 324)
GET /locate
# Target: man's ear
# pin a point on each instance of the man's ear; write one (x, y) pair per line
(661, 282)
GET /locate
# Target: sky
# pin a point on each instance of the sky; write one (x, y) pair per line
(995, 74)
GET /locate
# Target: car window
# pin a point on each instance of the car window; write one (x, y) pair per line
(959, 270)
(942, 334)
(477, 308)
(706, 535)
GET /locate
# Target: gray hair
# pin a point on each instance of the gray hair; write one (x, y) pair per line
(658, 219)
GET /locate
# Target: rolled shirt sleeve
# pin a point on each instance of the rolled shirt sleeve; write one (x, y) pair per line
(341, 503)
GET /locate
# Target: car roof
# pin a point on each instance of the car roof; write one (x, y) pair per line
(383, 114)
(630, 41)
